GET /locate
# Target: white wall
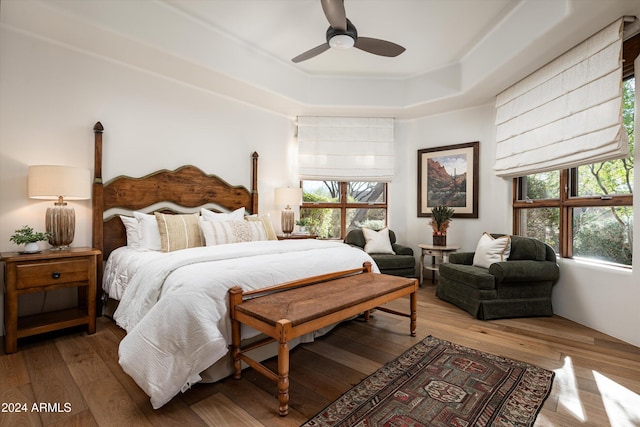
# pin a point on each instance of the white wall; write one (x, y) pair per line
(494, 213)
(51, 98)
(53, 94)
(603, 298)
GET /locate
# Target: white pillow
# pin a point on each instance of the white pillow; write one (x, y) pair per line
(149, 232)
(132, 228)
(378, 242)
(237, 215)
(490, 250)
(223, 232)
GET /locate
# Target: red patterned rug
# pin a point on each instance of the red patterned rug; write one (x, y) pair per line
(438, 383)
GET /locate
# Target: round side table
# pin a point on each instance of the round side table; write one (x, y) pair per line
(438, 253)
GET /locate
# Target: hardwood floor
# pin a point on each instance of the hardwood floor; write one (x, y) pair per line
(597, 379)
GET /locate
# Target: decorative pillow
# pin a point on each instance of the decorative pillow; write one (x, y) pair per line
(490, 250)
(266, 223)
(179, 231)
(132, 228)
(148, 231)
(378, 242)
(237, 215)
(223, 232)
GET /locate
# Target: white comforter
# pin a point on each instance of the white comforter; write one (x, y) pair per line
(175, 305)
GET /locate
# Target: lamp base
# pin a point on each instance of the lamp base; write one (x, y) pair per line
(287, 221)
(61, 226)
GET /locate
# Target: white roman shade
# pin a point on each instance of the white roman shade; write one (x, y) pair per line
(566, 114)
(345, 148)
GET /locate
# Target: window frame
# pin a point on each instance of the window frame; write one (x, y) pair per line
(343, 205)
(568, 199)
(566, 203)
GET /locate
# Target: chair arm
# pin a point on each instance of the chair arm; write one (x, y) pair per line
(401, 249)
(461, 258)
(525, 271)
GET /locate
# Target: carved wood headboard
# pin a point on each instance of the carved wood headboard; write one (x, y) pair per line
(185, 187)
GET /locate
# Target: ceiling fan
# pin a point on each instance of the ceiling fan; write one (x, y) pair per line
(342, 34)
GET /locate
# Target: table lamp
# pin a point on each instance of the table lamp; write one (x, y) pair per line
(59, 183)
(287, 197)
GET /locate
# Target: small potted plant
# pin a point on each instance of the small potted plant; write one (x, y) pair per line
(29, 238)
(302, 224)
(440, 220)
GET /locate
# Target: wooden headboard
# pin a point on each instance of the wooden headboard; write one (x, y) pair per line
(185, 187)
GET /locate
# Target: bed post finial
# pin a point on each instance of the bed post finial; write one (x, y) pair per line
(97, 128)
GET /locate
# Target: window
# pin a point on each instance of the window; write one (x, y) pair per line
(584, 212)
(331, 209)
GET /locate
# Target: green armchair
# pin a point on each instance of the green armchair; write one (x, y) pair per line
(518, 287)
(402, 263)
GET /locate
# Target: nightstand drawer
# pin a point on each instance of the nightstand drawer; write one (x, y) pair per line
(30, 275)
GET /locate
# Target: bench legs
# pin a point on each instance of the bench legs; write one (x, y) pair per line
(283, 334)
(283, 330)
(235, 298)
(413, 307)
(283, 327)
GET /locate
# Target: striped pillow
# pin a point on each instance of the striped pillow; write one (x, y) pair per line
(178, 231)
(266, 222)
(223, 232)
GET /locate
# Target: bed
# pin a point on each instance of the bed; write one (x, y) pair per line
(172, 300)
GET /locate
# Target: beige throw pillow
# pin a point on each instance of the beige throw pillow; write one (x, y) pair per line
(266, 223)
(490, 250)
(179, 231)
(378, 242)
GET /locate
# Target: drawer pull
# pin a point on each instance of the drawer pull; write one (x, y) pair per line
(56, 274)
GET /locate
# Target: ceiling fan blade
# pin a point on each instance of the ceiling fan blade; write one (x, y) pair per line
(311, 53)
(334, 11)
(379, 47)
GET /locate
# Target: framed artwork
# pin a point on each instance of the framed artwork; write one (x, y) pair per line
(448, 176)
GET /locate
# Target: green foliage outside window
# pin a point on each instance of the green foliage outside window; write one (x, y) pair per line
(318, 220)
(599, 232)
(363, 204)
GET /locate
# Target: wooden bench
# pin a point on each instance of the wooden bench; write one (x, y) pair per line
(289, 310)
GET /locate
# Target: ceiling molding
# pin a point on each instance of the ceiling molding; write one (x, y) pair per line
(521, 38)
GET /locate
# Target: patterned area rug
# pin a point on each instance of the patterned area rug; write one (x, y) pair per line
(438, 383)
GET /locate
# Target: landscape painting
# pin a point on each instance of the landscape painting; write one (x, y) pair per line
(448, 176)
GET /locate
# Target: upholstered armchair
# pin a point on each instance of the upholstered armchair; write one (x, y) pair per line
(519, 286)
(399, 263)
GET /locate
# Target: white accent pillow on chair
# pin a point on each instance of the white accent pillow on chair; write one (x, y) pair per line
(377, 242)
(490, 250)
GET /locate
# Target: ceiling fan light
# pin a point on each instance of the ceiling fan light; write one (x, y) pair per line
(341, 41)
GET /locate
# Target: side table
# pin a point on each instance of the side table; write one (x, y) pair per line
(437, 253)
(296, 236)
(46, 271)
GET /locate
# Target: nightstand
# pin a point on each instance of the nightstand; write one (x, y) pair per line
(296, 236)
(47, 271)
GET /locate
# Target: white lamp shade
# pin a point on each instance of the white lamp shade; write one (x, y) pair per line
(49, 182)
(288, 196)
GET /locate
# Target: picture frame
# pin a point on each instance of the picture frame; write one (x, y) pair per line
(448, 176)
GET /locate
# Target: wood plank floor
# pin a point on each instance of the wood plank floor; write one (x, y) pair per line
(597, 377)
